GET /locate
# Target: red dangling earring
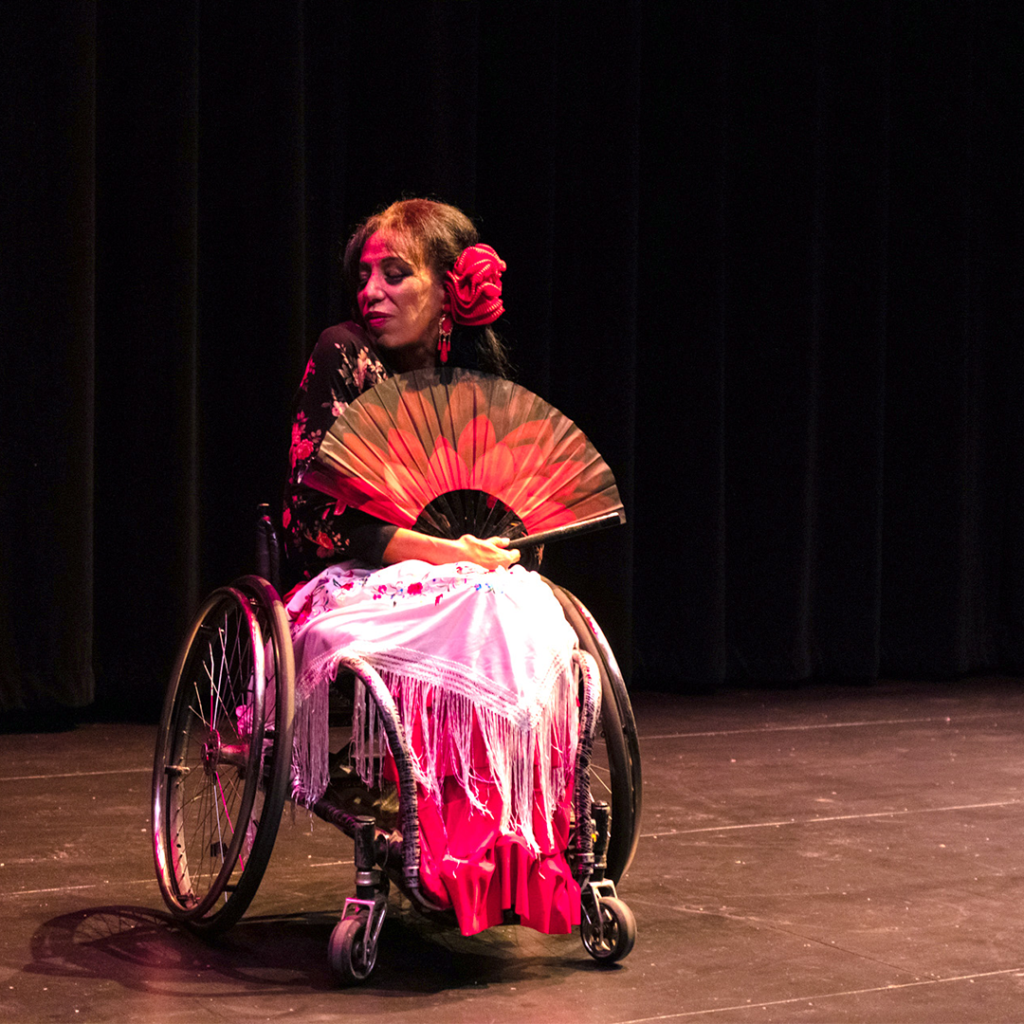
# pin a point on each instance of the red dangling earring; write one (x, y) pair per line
(444, 345)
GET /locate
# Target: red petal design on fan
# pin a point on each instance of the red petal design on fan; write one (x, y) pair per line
(362, 454)
(541, 509)
(529, 460)
(532, 432)
(400, 482)
(465, 403)
(563, 479)
(447, 469)
(408, 467)
(494, 471)
(370, 500)
(457, 473)
(547, 515)
(476, 439)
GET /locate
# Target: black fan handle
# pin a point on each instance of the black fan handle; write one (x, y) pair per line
(571, 530)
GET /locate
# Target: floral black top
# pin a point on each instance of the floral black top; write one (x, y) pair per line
(342, 367)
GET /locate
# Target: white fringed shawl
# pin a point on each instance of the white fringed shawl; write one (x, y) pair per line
(454, 644)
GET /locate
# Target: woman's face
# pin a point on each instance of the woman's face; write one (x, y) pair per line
(400, 303)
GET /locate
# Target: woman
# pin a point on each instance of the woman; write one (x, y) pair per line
(395, 269)
(473, 647)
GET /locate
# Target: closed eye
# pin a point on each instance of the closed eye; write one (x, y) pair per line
(394, 270)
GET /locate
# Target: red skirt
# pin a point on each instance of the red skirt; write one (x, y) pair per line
(467, 864)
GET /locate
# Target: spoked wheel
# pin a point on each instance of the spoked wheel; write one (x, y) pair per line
(351, 959)
(615, 769)
(223, 755)
(609, 933)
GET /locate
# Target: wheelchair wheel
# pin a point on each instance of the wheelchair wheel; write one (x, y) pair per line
(615, 770)
(350, 958)
(223, 755)
(610, 936)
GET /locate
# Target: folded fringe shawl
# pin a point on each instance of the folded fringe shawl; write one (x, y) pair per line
(444, 702)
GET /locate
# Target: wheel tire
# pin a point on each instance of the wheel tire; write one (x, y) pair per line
(615, 770)
(347, 952)
(223, 756)
(619, 931)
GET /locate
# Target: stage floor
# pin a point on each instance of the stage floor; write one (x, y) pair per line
(816, 854)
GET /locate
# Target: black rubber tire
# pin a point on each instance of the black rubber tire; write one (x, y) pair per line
(619, 932)
(615, 773)
(346, 951)
(221, 771)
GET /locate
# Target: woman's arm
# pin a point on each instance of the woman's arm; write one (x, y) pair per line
(492, 553)
(339, 370)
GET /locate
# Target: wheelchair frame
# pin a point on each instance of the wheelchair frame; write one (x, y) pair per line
(222, 773)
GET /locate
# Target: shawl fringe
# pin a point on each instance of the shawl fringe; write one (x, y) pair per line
(521, 748)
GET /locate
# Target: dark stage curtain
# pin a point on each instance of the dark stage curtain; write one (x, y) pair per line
(769, 256)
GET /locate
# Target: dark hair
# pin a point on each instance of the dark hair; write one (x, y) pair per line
(432, 234)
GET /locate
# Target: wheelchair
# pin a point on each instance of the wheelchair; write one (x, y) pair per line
(223, 772)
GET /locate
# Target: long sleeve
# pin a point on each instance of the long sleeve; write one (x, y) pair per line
(340, 369)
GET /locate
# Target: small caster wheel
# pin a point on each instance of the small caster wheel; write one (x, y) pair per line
(350, 960)
(611, 938)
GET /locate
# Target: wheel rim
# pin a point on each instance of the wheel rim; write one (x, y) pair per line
(602, 944)
(348, 953)
(207, 786)
(615, 766)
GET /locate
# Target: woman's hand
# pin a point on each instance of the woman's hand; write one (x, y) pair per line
(492, 553)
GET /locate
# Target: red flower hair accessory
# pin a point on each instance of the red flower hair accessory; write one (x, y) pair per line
(474, 286)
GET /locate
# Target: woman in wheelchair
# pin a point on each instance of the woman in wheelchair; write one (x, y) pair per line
(474, 648)
(492, 735)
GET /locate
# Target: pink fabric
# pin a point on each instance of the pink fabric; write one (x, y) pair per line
(481, 665)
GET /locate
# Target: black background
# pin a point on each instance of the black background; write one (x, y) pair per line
(769, 256)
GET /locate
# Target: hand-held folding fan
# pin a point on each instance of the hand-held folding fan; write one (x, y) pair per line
(452, 451)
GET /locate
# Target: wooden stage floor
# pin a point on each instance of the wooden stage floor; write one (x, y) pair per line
(814, 854)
